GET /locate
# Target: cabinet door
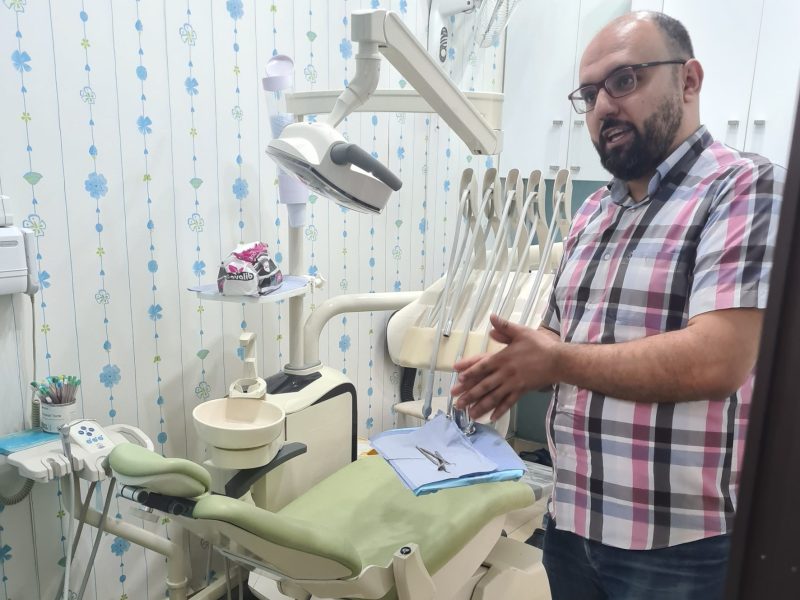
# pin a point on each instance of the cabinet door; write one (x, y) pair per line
(775, 85)
(582, 159)
(540, 60)
(724, 35)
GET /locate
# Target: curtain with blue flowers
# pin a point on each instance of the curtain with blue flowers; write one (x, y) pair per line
(133, 147)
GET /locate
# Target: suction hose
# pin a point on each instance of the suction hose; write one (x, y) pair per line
(19, 496)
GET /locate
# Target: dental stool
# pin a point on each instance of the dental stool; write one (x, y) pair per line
(357, 534)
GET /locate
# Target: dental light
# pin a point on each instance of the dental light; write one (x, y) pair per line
(321, 158)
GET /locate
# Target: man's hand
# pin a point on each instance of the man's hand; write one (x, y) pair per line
(495, 382)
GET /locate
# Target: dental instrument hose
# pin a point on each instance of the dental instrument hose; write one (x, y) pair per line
(19, 496)
(73, 483)
(96, 545)
(82, 517)
(81, 521)
(68, 483)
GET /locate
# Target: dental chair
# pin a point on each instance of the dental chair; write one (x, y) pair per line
(357, 534)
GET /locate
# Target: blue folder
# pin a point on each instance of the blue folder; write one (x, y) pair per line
(479, 458)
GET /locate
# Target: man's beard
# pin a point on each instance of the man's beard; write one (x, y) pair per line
(645, 152)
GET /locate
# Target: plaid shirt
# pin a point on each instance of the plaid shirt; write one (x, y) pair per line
(644, 475)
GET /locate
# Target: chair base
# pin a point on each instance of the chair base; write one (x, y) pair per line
(512, 569)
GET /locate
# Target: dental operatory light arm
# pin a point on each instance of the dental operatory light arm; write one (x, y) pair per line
(380, 31)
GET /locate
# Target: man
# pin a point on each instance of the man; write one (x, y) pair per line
(651, 333)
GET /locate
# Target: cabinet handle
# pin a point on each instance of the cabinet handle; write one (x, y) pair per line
(554, 167)
(759, 122)
(733, 122)
(578, 123)
(574, 168)
(557, 123)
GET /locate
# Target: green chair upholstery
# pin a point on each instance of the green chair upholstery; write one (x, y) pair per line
(136, 465)
(362, 514)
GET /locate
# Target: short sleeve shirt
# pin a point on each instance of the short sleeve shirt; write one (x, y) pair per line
(637, 474)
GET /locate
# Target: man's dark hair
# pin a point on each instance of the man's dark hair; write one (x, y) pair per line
(675, 34)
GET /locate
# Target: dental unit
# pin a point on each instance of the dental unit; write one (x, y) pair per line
(281, 493)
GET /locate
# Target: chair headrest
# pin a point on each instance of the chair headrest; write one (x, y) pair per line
(135, 465)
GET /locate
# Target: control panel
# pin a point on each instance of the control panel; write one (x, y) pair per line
(91, 437)
(90, 445)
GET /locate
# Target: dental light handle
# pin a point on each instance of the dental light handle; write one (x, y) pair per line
(343, 153)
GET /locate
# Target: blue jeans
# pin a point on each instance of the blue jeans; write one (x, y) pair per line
(581, 569)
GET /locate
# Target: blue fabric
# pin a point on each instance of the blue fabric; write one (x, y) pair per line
(585, 569)
(480, 458)
(22, 440)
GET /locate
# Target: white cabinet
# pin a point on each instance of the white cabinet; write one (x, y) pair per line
(545, 41)
(773, 103)
(582, 160)
(725, 37)
(750, 51)
(540, 60)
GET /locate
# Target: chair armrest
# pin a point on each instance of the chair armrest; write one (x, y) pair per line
(238, 485)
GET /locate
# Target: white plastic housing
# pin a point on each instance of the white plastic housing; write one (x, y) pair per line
(396, 42)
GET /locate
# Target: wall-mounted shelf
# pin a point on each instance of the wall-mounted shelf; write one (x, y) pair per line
(292, 286)
(489, 104)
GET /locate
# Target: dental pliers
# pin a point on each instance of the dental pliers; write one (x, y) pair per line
(436, 458)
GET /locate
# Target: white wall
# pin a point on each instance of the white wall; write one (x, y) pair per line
(96, 86)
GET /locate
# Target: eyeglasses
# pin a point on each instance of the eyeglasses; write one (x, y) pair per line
(621, 82)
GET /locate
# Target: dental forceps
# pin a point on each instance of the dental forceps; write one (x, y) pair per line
(436, 458)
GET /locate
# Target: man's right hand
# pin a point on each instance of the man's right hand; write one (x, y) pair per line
(494, 382)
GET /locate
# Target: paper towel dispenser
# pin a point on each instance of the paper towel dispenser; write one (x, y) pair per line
(17, 266)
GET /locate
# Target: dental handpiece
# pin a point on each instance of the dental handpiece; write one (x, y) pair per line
(66, 442)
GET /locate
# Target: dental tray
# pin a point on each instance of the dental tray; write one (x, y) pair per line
(292, 285)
